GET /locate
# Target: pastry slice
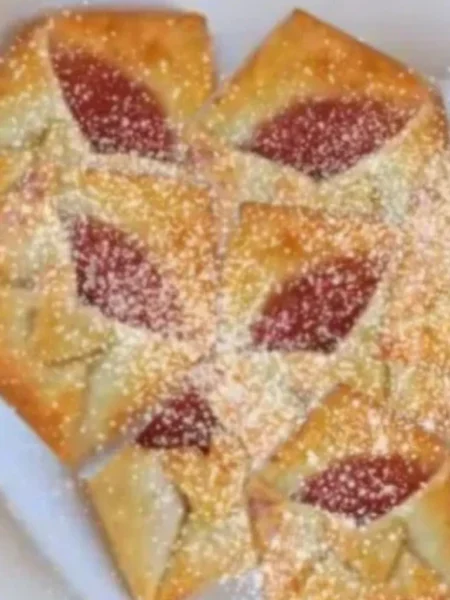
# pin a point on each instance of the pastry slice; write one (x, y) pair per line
(107, 296)
(362, 507)
(172, 504)
(108, 81)
(333, 114)
(309, 288)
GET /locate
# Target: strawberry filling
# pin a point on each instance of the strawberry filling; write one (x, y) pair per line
(114, 113)
(324, 137)
(315, 311)
(184, 422)
(364, 488)
(114, 274)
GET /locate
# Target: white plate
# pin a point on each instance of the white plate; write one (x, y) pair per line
(38, 491)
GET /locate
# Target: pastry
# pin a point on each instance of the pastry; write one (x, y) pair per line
(308, 287)
(112, 81)
(354, 505)
(213, 299)
(245, 398)
(107, 295)
(335, 115)
(414, 332)
(172, 503)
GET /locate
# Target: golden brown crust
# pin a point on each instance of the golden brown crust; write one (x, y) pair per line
(168, 52)
(49, 400)
(403, 552)
(273, 244)
(214, 539)
(114, 371)
(304, 58)
(141, 514)
(49, 396)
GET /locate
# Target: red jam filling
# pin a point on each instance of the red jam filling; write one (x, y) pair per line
(364, 488)
(324, 137)
(115, 113)
(115, 275)
(315, 311)
(184, 422)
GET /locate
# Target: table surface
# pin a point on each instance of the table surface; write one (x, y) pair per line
(24, 574)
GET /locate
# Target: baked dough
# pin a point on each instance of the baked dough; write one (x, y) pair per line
(317, 535)
(238, 319)
(308, 287)
(107, 296)
(188, 497)
(384, 118)
(156, 68)
(414, 334)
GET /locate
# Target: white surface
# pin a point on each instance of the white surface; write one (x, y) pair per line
(44, 498)
(38, 491)
(23, 572)
(414, 30)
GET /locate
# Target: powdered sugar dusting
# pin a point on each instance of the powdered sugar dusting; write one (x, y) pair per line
(114, 274)
(324, 137)
(179, 318)
(363, 488)
(118, 114)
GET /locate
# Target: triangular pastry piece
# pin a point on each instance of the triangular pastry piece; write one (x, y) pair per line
(121, 276)
(207, 469)
(379, 484)
(118, 82)
(331, 111)
(308, 287)
(142, 514)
